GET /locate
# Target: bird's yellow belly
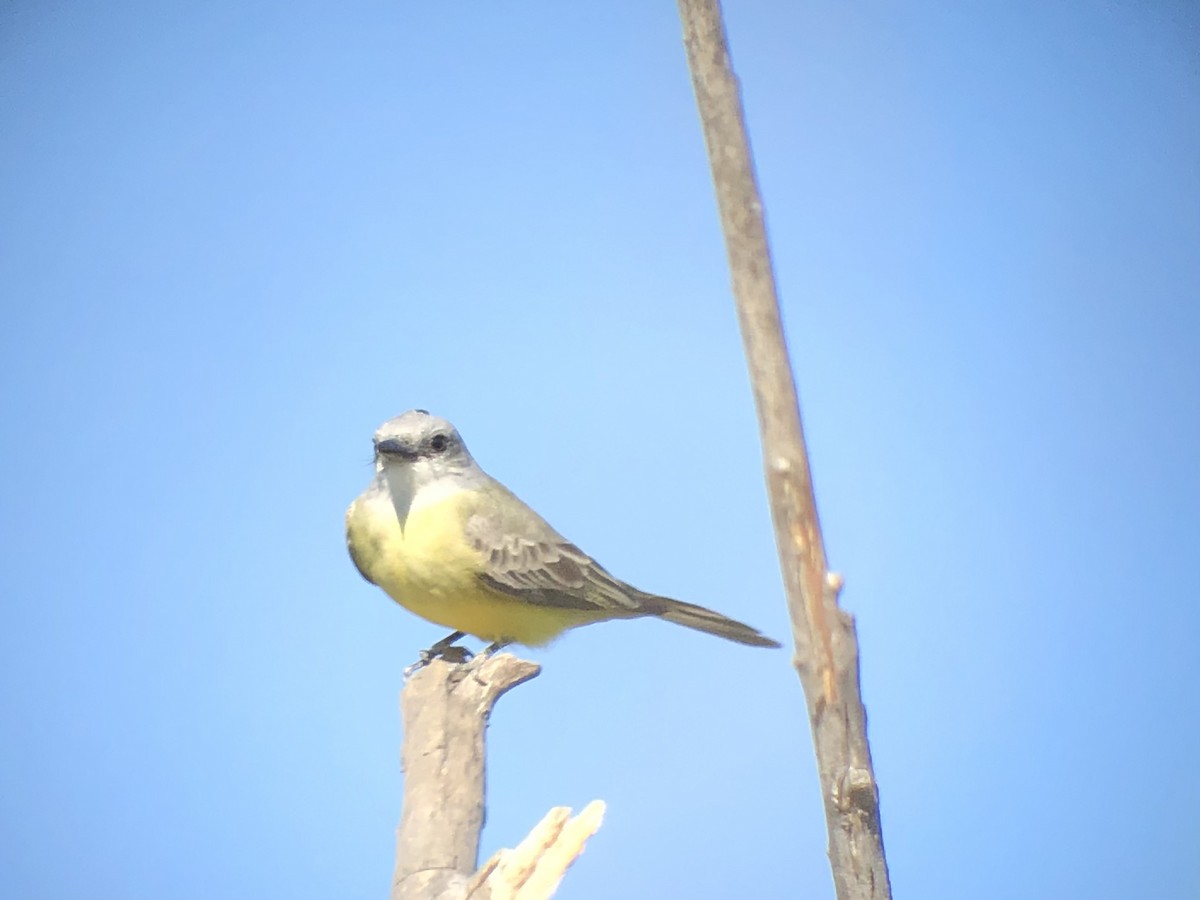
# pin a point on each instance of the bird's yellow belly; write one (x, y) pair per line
(430, 569)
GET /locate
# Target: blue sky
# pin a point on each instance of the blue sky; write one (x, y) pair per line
(236, 237)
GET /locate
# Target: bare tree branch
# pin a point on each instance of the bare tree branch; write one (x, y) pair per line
(826, 656)
(445, 708)
(536, 867)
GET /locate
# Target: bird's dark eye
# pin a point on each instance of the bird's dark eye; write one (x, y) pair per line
(439, 442)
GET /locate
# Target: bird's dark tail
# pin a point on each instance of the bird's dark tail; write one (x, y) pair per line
(691, 616)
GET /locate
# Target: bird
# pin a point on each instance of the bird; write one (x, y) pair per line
(456, 547)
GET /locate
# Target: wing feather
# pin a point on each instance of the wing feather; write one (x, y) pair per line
(550, 571)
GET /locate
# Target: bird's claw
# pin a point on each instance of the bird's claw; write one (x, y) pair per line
(448, 650)
(444, 649)
(492, 649)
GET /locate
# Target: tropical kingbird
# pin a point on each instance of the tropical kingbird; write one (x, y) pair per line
(450, 543)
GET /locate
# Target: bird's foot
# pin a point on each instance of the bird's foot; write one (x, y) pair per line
(443, 649)
(492, 649)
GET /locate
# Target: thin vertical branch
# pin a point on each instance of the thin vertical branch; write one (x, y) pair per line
(826, 649)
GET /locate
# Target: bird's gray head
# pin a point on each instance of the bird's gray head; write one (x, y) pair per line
(426, 445)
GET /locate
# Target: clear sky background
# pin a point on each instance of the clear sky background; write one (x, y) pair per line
(235, 237)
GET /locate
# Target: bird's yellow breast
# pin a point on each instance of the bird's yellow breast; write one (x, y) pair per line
(430, 568)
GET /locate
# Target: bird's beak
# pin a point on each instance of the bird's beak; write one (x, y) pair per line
(394, 447)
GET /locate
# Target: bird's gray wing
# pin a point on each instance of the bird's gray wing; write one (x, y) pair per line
(527, 559)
